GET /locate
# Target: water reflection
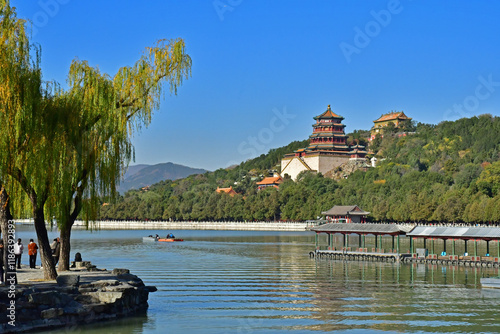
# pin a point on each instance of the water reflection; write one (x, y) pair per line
(265, 282)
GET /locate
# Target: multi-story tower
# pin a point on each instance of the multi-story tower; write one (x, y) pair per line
(328, 134)
(327, 148)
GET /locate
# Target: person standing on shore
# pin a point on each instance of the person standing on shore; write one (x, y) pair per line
(32, 250)
(18, 252)
(56, 249)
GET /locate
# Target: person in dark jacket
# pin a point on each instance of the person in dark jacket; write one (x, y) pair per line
(56, 250)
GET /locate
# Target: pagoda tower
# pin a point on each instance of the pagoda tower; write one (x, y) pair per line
(327, 148)
(328, 134)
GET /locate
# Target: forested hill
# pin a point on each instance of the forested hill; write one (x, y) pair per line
(447, 172)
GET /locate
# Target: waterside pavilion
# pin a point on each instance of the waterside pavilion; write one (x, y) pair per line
(421, 235)
(454, 234)
(346, 213)
(362, 230)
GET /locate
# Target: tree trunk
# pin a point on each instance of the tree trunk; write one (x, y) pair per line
(5, 217)
(49, 268)
(65, 238)
(65, 227)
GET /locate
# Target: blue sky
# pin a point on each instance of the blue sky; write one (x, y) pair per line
(263, 69)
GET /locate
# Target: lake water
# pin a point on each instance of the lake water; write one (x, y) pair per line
(265, 282)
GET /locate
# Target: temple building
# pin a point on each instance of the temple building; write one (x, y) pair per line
(393, 117)
(345, 214)
(271, 181)
(358, 152)
(230, 191)
(327, 148)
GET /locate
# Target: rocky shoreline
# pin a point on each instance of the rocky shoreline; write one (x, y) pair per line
(76, 297)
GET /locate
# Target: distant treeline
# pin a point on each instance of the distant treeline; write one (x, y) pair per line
(448, 172)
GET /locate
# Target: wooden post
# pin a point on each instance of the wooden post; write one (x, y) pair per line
(359, 241)
(376, 242)
(475, 247)
(347, 239)
(425, 243)
(432, 243)
(488, 247)
(444, 249)
(398, 246)
(392, 242)
(364, 241)
(466, 246)
(453, 247)
(380, 236)
(316, 240)
(411, 245)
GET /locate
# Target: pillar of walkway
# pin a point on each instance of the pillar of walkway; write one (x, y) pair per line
(316, 240)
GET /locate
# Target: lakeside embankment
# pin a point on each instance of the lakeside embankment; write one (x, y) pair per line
(192, 225)
(76, 297)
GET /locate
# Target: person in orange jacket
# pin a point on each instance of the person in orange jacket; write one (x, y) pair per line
(32, 251)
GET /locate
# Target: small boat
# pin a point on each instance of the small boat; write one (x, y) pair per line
(491, 282)
(150, 238)
(169, 239)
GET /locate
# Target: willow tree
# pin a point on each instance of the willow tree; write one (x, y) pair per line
(67, 148)
(26, 140)
(103, 113)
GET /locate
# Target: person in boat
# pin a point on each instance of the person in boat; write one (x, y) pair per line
(157, 236)
(170, 236)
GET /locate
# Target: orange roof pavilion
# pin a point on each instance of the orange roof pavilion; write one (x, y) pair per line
(271, 181)
(230, 191)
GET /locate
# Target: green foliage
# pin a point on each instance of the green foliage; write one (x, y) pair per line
(435, 174)
(489, 180)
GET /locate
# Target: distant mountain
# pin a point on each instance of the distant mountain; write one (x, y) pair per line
(139, 176)
(134, 169)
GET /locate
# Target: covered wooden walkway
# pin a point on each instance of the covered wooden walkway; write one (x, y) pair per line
(422, 246)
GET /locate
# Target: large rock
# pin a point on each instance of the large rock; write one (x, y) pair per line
(101, 283)
(68, 280)
(52, 313)
(49, 298)
(107, 296)
(119, 271)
